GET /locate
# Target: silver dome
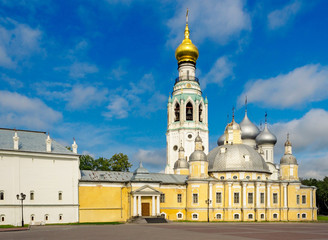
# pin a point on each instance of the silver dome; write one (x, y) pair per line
(288, 159)
(198, 156)
(237, 157)
(181, 163)
(248, 129)
(221, 140)
(141, 170)
(266, 137)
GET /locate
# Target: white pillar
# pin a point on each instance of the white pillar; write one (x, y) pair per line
(257, 195)
(268, 195)
(139, 205)
(285, 195)
(211, 194)
(244, 194)
(311, 199)
(158, 206)
(134, 205)
(153, 206)
(229, 197)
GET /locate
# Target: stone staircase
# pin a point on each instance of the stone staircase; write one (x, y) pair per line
(143, 220)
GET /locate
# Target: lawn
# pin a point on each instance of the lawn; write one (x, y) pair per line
(322, 218)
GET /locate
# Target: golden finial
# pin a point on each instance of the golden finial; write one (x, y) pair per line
(187, 28)
(187, 17)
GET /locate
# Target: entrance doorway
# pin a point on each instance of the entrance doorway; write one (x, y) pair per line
(145, 209)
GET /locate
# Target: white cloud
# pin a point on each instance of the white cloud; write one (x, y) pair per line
(301, 85)
(118, 107)
(280, 17)
(80, 69)
(221, 70)
(216, 20)
(17, 110)
(155, 158)
(82, 96)
(140, 98)
(13, 82)
(308, 136)
(17, 42)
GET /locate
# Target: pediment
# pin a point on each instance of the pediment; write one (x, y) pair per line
(146, 190)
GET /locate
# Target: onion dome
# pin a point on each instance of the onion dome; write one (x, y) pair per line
(236, 157)
(232, 126)
(248, 129)
(221, 140)
(186, 51)
(181, 163)
(266, 137)
(198, 154)
(288, 157)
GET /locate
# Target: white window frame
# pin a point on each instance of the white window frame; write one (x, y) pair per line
(273, 198)
(220, 198)
(275, 214)
(262, 214)
(45, 217)
(250, 214)
(163, 213)
(192, 216)
(234, 216)
(304, 195)
(179, 200)
(62, 216)
(234, 197)
(218, 214)
(305, 215)
(193, 200)
(2, 216)
(178, 215)
(32, 217)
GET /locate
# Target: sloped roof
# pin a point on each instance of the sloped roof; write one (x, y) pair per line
(109, 176)
(30, 141)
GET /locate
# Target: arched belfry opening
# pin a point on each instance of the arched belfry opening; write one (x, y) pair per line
(200, 112)
(177, 112)
(189, 112)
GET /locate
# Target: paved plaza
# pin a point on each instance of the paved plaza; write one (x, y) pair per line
(190, 231)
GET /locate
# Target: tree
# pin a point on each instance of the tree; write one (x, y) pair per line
(87, 162)
(118, 162)
(321, 193)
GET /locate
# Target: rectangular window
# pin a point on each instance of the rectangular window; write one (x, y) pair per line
(236, 197)
(298, 199)
(31, 195)
(218, 197)
(162, 198)
(250, 198)
(303, 199)
(262, 198)
(275, 198)
(179, 197)
(195, 197)
(2, 195)
(60, 196)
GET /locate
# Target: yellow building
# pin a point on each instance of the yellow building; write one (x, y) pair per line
(236, 181)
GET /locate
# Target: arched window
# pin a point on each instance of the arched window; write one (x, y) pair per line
(177, 112)
(262, 215)
(179, 215)
(189, 112)
(2, 218)
(46, 217)
(60, 217)
(32, 217)
(2, 195)
(236, 216)
(60, 196)
(32, 195)
(218, 216)
(194, 216)
(200, 111)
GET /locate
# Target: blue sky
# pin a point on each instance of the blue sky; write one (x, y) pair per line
(102, 71)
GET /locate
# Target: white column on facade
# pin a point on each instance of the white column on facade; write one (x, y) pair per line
(211, 194)
(257, 194)
(229, 197)
(134, 205)
(196, 115)
(139, 205)
(311, 199)
(182, 112)
(153, 206)
(285, 195)
(268, 195)
(158, 206)
(244, 194)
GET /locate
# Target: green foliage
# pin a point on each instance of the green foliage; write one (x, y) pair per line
(321, 194)
(118, 162)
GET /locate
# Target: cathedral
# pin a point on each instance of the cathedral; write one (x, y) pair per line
(236, 181)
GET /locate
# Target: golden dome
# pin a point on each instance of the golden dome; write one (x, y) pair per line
(186, 51)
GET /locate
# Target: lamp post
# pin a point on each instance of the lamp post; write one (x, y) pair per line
(21, 197)
(208, 202)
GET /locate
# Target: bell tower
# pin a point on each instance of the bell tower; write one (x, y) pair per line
(187, 110)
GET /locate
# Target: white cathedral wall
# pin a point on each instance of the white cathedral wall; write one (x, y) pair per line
(44, 174)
